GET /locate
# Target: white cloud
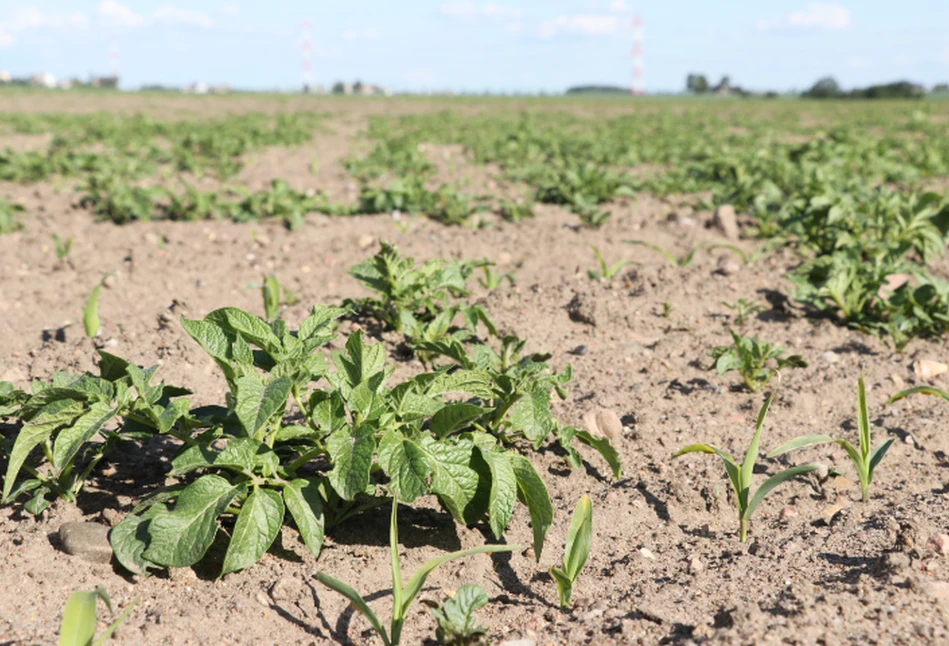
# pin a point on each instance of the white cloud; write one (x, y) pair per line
(422, 76)
(818, 15)
(824, 16)
(31, 18)
(364, 33)
(117, 14)
(589, 24)
(229, 10)
(618, 6)
(173, 15)
(470, 10)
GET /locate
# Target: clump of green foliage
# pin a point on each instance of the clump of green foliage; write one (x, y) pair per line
(423, 302)
(741, 475)
(865, 458)
(514, 212)
(63, 417)
(750, 357)
(8, 216)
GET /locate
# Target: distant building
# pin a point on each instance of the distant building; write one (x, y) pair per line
(43, 80)
(220, 88)
(107, 82)
(198, 87)
(5, 76)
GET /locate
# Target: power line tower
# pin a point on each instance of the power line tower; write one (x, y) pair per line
(114, 57)
(639, 83)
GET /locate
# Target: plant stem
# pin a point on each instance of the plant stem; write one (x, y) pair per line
(397, 602)
(743, 530)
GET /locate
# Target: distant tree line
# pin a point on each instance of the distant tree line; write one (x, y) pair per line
(828, 88)
(825, 88)
(598, 89)
(698, 84)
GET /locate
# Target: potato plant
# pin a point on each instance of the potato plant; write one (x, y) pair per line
(445, 433)
(62, 418)
(750, 358)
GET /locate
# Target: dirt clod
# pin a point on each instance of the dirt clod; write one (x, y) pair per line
(582, 309)
(604, 423)
(726, 221)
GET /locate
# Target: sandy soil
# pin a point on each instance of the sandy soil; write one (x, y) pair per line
(666, 566)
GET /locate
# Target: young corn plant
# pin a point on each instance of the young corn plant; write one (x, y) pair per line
(270, 291)
(687, 259)
(90, 313)
(493, 280)
(456, 617)
(742, 475)
(79, 619)
(403, 596)
(750, 358)
(864, 457)
(63, 249)
(919, 390)
(607, 271)
(577, 550)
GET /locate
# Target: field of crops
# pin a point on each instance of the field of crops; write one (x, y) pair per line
(603, 371)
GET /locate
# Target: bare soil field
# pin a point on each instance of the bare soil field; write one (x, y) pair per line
(666, 565)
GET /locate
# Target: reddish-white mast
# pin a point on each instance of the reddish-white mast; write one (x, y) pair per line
(639, 84)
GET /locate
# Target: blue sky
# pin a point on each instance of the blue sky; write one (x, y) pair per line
(502, 45)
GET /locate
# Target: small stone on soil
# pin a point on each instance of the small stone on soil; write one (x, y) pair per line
(88, 541)
(939, 543)
(927, 368)
(830, 357)
(603, 422)
(579, 351)
(727, 266)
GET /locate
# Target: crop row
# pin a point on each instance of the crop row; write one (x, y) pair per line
(315, 437)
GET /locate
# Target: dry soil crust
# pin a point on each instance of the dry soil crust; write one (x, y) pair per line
(666, 564)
